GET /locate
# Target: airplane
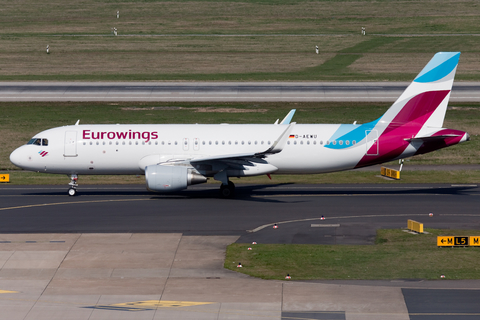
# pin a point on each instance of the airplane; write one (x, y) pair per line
(174, 156)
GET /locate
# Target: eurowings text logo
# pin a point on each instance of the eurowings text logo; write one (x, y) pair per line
(42, 153)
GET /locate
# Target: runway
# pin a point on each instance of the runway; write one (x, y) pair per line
(118, 251)
(219, 91)
(200, 211)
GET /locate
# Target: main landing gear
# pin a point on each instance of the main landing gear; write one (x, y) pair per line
(227, 191)
(73, 185)
(227, 188)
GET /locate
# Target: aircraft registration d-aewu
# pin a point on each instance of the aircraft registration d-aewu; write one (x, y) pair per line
(172, 157)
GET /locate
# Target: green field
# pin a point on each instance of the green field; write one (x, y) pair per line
(234, 40)
(395, 255)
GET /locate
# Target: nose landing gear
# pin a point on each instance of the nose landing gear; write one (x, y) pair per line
(73, 185)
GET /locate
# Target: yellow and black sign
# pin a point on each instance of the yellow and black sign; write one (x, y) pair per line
(4, 178)
(458, 241)
(474, 241)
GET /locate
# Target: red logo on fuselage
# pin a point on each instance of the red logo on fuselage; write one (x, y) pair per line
(131, 135)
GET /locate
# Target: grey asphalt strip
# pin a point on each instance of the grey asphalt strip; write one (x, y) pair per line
(219, 91)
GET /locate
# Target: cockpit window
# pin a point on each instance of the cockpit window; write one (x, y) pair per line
(38, 142)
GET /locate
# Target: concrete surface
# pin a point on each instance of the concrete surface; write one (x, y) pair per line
(162, 276)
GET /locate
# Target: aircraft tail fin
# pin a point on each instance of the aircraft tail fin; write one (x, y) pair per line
(424, 103)
(413, 124)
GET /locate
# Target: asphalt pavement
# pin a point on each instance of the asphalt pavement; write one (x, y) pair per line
(219, 91)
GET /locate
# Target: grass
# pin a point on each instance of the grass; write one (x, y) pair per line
(396, 255)
(234, 41)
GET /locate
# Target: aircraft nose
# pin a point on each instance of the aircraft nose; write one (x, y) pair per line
(18, 157)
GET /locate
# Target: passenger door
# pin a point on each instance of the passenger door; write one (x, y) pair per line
(70, 144)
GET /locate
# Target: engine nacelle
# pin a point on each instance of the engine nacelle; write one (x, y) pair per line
(171, 178)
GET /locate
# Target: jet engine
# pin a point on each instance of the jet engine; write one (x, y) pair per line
(162, 178)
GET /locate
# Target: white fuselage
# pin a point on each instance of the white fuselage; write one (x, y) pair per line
(128, 149)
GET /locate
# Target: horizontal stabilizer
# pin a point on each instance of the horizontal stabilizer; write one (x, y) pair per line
(428, 139)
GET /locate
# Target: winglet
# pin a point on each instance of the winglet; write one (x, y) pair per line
(288, 117)
(279, 143)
